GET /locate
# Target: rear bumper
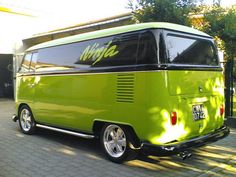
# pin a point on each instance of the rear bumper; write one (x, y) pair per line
(175, 148)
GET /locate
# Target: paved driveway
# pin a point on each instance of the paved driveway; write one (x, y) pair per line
(49, 154)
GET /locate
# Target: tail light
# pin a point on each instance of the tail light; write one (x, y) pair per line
(222, 110)
(173, 118)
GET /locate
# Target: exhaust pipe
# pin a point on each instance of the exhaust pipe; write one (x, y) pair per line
(185, 155)
(14, 118)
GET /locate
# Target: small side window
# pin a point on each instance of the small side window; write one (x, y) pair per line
(147, 52)
(25, 65)
(162, 49)
(33, 61)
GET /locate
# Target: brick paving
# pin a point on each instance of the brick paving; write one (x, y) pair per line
(51, 154)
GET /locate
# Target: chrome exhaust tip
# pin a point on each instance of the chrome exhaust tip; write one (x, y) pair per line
(14, 118)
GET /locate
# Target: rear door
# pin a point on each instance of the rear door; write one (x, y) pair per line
(195, 79)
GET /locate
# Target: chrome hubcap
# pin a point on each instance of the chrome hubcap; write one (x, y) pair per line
(25, 119)
(114, 141)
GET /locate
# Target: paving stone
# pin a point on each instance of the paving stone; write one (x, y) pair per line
(52, 154)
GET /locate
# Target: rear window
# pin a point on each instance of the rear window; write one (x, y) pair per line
(191, 51)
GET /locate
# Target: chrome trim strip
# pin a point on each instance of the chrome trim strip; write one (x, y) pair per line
(83, 135)
(121, 70)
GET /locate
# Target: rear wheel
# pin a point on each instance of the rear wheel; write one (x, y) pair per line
(26, 120)
(115, 141)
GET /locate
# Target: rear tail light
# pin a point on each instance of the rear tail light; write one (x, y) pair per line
(222, 110)
(173, 118)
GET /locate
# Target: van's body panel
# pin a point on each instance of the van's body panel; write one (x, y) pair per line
(140, 98)
(84, 102)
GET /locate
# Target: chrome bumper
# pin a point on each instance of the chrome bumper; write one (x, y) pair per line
(175, 148)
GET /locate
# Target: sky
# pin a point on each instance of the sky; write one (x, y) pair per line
(49, 15)
(62, 13)
(69, 12)
(94, 9)
(54, 14)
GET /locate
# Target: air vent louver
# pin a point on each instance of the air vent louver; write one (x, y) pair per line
(125, 88)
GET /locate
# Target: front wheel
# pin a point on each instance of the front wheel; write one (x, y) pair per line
(26, 120)
(115, 142)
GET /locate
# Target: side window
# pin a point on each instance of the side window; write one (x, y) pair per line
(33, 61)
(112, 51)
(57, 58)
(193, 51)
(147, 52)
(116, 50)
(94, 52)
(25, 65)
(162, 49)
(81, 55)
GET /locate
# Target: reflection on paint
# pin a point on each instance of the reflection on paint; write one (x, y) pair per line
(170, 132)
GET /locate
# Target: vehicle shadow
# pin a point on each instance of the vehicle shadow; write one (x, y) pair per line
(91, 145)
(208, 158)
(213, 158)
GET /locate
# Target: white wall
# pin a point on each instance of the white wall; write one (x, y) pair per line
(14, 28)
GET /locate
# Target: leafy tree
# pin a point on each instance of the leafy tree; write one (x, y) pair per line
(175, 11)
(228, 35)
(220, 23)
(217, 21)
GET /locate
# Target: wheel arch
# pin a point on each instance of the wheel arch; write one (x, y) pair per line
(27, 125)
(20, 106)
(99, 124)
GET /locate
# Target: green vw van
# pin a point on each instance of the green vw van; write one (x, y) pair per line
(156, 87)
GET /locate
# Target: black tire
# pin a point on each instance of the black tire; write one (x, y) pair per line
(26, 120)
(116, 145)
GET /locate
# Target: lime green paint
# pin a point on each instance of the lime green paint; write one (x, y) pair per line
(75, 101)
(118, 30)
(98, 53)
(168, 91)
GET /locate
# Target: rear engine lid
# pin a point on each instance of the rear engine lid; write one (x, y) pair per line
(194, 82)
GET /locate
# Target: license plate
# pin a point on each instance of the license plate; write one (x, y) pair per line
(198, 112)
